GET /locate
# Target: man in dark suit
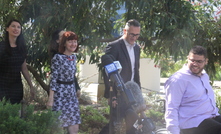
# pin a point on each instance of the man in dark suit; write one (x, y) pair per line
(127, 52)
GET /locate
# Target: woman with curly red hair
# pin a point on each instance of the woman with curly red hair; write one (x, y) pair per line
(63, 96)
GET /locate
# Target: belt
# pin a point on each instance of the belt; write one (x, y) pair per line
(65, 82)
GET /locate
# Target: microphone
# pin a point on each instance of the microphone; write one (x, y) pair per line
(112, 73)
(140, 105)
(132, 95)
(118, 65)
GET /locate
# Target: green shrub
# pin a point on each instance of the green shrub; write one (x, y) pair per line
(218, 72)
(169, 67)
(33, 122)
(93, 119)
(218, 99)
(155, 108)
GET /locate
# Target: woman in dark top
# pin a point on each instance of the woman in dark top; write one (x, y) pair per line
(12, 63)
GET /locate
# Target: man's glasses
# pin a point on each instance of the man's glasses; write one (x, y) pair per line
(133, 35)
(196, 61)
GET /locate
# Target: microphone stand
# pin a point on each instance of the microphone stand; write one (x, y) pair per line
(118, 123)
(115, 125)
(111, 110)
(125, 98)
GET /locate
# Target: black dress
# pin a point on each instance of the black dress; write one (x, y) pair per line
(10, 75)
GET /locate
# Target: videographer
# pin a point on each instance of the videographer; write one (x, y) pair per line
(127, 52)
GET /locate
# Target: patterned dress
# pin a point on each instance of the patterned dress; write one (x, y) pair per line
(10, 75)
(63, 69)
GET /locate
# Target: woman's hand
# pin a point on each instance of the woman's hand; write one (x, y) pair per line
(50, 99)
(78, 93)
(50, 103)
(32, 93)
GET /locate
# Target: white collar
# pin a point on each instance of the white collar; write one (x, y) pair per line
(127, 44)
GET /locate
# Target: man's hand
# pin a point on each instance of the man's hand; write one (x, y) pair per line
(114, 102)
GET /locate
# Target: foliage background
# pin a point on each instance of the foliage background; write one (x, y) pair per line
(169, 28)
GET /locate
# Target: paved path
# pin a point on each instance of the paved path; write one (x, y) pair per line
(91, 89)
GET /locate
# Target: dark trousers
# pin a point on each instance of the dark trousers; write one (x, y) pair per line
(207, 126)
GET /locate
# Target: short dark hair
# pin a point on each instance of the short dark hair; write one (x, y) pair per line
(54, 45)
(132, 22)
(199, 50)
(68, 35)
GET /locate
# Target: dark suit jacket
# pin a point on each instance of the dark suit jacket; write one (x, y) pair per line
(119, 51)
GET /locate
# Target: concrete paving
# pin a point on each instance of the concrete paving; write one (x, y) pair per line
(91, 89)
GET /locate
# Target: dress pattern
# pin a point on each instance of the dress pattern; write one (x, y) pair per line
(11, 86)
(63, 69)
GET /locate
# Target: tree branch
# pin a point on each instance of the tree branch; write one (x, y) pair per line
(38, 78)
